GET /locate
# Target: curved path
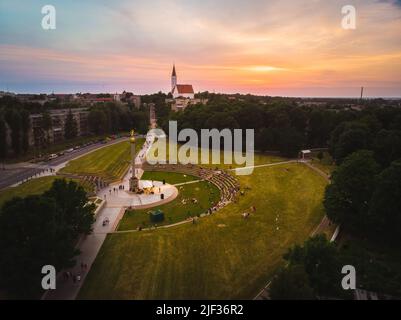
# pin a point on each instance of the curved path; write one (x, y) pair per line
(91, 244)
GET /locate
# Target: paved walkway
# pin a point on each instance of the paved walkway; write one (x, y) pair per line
(263, 165)
(113, 211)
(91, 244)
(89, 247)
(189, 182)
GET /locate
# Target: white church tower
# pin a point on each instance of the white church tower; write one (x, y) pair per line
(180, 90)
(173, 79)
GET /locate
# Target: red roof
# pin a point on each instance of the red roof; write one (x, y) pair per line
(184, 88)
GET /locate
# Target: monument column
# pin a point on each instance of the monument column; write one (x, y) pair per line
(133, 181)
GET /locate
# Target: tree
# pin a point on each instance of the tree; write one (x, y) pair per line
(3, 139)
(387, 146)
(13, 119)
(220, 121)
(71, 202)
(46, 125)
(298, 119)
(249, 116)
(266, 139)
(349, 141)
(41, 230)
(319, 128)
(347, 197)
(97, 121)
(31, 236)
(70, 126)
(290, 141)
(385, 207)
(25, 126)
(321, 262)
(139, 121)
(291, 283)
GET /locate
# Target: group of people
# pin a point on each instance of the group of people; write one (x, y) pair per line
(38, 174)
(246, 215)
(115, 189)
(75, 277)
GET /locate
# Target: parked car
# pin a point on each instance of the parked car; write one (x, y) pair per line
(69, 150)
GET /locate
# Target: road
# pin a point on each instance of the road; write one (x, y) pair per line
(20, 172)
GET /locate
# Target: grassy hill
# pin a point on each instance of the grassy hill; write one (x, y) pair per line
(223, 256)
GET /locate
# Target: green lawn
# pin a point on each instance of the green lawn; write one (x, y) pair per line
(179, 209)
(109, 162)
(169, 177)
(259, 158)
(223, 256)
(31, 187)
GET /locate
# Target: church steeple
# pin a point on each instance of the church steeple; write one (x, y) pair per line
(173, 79)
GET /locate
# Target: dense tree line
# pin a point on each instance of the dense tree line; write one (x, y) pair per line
(70, 127)
(313, 271)
(364, 197)
(104, 118)
(113, 118)
(41, 230)
(17, 119)
(282, 125)
(376, 129)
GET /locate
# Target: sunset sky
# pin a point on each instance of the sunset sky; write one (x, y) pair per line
(269, 47)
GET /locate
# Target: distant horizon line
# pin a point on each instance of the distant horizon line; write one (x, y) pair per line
(223, 93)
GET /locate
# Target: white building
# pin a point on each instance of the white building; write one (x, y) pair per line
(181, 90)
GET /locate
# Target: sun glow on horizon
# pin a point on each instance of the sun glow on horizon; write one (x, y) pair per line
(241, 47)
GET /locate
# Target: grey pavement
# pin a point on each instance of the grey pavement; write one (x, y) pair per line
(89, 247)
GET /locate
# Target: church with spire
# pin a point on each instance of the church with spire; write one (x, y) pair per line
(181, 90)
(183, 95)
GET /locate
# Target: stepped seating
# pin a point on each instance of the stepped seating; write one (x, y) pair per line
(227, 184)
(94, 182)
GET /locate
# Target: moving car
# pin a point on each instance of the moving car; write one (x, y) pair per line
(52, 156)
